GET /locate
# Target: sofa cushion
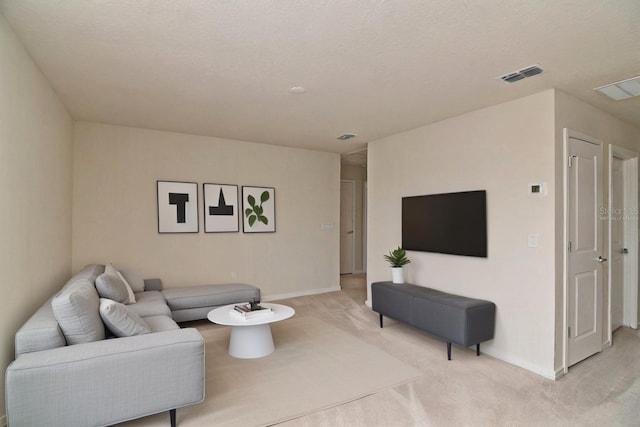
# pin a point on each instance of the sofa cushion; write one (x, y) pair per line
(110, 286)
(110, 269)
(188, 297)
(150, 303)
(76, 308)
(121, 321)
(40, 332)
(134, 278)
(160, 323)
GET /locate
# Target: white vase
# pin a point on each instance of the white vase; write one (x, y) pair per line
(398, 274)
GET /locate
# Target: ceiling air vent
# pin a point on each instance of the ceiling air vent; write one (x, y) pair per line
(531, 71)
(347, 136)
(513, 77)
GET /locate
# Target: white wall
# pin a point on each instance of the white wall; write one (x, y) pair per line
(35, 188)
(115, 214)
(500, 149)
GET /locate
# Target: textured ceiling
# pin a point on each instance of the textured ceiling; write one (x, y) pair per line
(373, 68)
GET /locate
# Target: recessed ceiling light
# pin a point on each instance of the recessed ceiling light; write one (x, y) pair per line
(297, 89)
(346, 136)
(621, 90)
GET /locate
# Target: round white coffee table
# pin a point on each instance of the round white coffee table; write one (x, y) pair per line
(251, 338)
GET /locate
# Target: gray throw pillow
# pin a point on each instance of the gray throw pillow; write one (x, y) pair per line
(110, 269)
(121, 321)
(110, 286)
(134, 278)
(75, 308)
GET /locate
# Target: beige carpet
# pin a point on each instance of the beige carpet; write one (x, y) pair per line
(315, 366)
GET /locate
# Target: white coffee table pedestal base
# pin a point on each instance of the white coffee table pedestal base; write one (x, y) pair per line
(251, 338)
(251, 342)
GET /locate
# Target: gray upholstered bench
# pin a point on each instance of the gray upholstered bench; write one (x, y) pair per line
(195, 302)
(456, 319)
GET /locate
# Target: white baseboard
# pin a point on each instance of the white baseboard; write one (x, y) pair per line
(549, 374)
(276, 297)
(559, 373)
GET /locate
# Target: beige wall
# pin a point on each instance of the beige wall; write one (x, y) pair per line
(115, 214)
(35, 188)
(573, 114)
(500, 149)
(359, 175)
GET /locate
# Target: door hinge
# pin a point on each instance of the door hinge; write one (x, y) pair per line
(571, 160)
(570, 247)
(569, 332)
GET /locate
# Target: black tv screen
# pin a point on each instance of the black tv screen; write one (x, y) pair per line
(450, 223)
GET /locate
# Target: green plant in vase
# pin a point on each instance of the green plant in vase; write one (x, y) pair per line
(398, 259)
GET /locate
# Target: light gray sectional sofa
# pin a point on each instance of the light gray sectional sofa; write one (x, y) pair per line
(85, 359)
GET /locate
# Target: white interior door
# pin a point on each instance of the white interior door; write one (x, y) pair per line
(585, 249)
(619, 252)
(623, 237)
(347, 212)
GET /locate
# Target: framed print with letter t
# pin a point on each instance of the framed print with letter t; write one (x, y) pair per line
(177, 207)
(258, 209)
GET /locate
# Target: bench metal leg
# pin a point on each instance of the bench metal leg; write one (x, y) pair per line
(477, 349)
(172, 417)
(381, 320)
(448, 350)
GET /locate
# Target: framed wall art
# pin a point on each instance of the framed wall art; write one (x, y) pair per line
(221, 208)
(177, 207)
(258, 209)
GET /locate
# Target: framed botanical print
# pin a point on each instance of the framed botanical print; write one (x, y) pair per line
(258, 209)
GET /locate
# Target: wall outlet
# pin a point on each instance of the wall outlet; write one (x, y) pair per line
(326, 226)
(234, 275)
(532, 240)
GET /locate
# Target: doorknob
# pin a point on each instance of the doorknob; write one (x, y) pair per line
(600, 259)
(350, 232)
(624, 251)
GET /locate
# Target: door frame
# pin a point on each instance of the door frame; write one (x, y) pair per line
(567, 134)
(353, 221)
(630, 281)
(365, 195)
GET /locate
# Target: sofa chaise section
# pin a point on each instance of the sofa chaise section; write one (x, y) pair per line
(195, 302)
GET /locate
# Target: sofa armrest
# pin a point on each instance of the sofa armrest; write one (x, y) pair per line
(108, 381)
(152, 284)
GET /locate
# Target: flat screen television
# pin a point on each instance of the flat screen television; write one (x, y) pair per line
(450, 223)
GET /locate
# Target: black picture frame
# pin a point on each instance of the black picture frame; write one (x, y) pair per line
(177, 207)
(258, 210)
(221, 208)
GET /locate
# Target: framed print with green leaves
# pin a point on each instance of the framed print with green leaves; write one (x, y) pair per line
(258, 209)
